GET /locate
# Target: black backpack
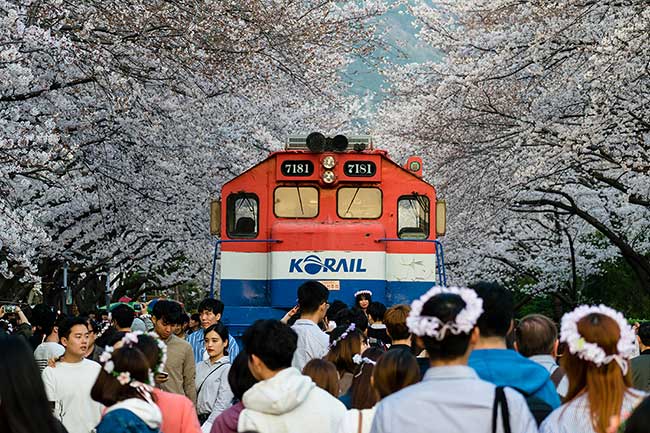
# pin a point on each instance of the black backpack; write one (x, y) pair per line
(538, 408)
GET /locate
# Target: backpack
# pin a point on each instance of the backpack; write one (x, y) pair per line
(538, 408)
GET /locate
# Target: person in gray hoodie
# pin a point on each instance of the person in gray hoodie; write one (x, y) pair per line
(283, 400)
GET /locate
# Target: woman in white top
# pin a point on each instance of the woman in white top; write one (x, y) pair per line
(394, 370)
(213, 390)
(599, 343)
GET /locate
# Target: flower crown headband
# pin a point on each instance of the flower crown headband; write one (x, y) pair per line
(362, 292)
(434, 327)
(591, 351)
(129, 340)
(343, 336)
(361, 360)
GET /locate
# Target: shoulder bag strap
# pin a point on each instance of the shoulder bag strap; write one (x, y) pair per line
(206, 378)
(360, 422)
(500, 401)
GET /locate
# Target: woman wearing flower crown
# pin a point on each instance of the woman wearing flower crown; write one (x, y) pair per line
(599, 343)
(124, 387)
(362, 299)
(345, 342)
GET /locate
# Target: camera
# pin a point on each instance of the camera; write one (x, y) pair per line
(10, 308)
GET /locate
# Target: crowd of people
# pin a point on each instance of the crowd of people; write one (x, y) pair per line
(455, 360)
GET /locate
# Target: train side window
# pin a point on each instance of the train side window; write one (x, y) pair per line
(413, 217)
(359, 202)
(242, 215)
(295, 202)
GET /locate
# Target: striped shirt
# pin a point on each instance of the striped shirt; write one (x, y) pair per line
(45, 351)
(574, 416)
(198, 346)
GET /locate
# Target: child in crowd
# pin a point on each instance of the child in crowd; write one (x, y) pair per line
(212, 388)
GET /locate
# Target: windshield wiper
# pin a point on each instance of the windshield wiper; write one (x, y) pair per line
(302, 210)
(352, 201)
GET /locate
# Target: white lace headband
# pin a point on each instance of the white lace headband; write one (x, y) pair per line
(363, 292)
(434, 327)
(587, 351)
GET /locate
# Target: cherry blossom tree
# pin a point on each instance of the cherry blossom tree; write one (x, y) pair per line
(535, 123)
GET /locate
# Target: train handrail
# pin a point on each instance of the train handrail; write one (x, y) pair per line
(218, 243)
(441, 272)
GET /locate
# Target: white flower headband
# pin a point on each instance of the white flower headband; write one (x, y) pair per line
(587, 351)
(130, 339)
(343, 336)
(361, 360)
(363, 292)
(434, 327)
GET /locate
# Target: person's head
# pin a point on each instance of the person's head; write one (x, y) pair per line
(360, 319)
(195, 321)
(165, 315)
(362, 299)
(345, 342)
(210, 312)
(536, 334)
(376, 311)
(395, 321)
(24, 406)
(324, 374)
(215, 339)
(498, 309)
(240, 377)
(639, 421)
(93, 331)
(643, 335)
(336, 306)
(152, 350)
(181, 328)
(446, 334)
(270, 345)
(312, 298)
(395, 369)
(74, 335)
(47, 321)
(128, 364)
(599, 344)
(122, 316)
(103, 314)
(364, 395)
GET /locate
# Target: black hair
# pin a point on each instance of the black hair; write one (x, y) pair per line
(639, 421)
(209, 304)
(376, 310)
(644, 333)
(240, 377)
(222, 331)
(66, 325)
(94, 325)
(185, 318)
(25, 407)
(149, 348)
(123, 315)
(498, 309)
(359, 319)
(361, 296)
(272, 342)
(196, 317)
(335, 307)
(311, 295)
(168, 311)
(445, 306)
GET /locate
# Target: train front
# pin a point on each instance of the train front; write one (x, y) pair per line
(332, 210)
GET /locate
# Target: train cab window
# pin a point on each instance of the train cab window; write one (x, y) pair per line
(242, 215)
(295, 202)
(413, 217)
(359, 202)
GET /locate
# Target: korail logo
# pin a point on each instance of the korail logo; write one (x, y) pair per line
(313, 265)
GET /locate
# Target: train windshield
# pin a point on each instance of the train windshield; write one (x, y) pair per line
(295, 202)
(413, 217)
(359, 202)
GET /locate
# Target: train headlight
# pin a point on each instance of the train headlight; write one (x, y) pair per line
(329, 176)
(329, 162)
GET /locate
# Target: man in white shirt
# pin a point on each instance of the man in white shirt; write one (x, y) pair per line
(68, 384)
(312, 341)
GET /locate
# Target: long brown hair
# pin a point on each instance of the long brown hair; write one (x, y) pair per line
(606, 385)
(324, 374)
(345, 348)
(395, 369)
(364, 396)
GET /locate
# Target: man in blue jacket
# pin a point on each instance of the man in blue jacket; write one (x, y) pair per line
(491, 358)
